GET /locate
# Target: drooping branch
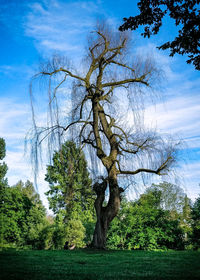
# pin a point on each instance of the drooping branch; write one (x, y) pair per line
(135, 151)
(57, 87)
(76, 122)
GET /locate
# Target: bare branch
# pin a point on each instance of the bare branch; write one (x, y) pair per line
(158, 171)
(76, 122)
(127, 81)
(65, 71)
(139, 147)
(122, 65)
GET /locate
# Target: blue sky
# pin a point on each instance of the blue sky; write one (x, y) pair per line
(32, 30)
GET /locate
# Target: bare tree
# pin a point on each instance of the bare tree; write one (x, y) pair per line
(110, 78)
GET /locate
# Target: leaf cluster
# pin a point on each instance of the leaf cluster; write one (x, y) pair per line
(186, 15)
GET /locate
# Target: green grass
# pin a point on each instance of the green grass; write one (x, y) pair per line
(88, 264)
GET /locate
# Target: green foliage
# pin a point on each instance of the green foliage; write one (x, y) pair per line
(145, 225)
(68, 180)
(172, 196)
(185, 14)
(3, 166)
(23, 215)
(3, 180)
(75, 233)
(70, 196)
(195, 236)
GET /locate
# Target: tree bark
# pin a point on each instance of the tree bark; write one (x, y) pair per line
(105, 214)
(100, 232)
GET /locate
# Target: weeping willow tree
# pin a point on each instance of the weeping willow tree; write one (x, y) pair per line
(105, 93)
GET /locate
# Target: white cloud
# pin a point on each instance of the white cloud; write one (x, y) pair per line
(15, 121)
(178, 115)
(60, 26)
(14, 118)
(190, 179)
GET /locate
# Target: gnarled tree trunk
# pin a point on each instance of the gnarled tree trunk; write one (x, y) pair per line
(105, 214)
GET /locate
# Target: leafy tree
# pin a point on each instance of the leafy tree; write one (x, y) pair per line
(186, 15)
(177, 203)
(172, 196)
(3, 166)
(3, 184)
(75, 233)
(196, 224)
(186, 221)
(71, 195)
(24, 216)
(13, 215)
(144, 225)
(109, 77)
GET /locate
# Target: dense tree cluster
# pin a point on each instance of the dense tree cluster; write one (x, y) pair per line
(196, 224)
(24, 221)
(23, 216)
(162, 218)
(154, 221)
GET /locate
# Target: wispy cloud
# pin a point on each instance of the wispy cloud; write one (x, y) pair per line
(14, 118)
(15, 121)
(176, 115)
(59, 25)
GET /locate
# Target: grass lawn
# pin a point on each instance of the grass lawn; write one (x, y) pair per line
(89, 264)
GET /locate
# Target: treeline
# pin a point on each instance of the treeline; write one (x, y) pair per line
(24, 223)
(144, 224)
(160, 219)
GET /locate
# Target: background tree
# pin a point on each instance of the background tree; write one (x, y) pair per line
(3, 184)
(71, 195)
(196, 224)
(186, 15)
(24, 216)
(3, 166)
(172, 196)
(145, 225)
(109, 77)
(178, 204)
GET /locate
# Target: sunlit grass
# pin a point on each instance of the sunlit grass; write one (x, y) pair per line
(89, 264)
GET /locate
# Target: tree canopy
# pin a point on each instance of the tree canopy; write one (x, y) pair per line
(186, 14)
(148, 224)
(23, 215)
(196, 223)
(3, 166)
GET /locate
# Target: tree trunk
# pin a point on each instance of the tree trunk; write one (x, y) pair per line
(105, 214)
(100, 232)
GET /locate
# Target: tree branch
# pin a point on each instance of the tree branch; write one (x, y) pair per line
(65, 71)
(123, 65)
(146, 170)
(127, 81)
